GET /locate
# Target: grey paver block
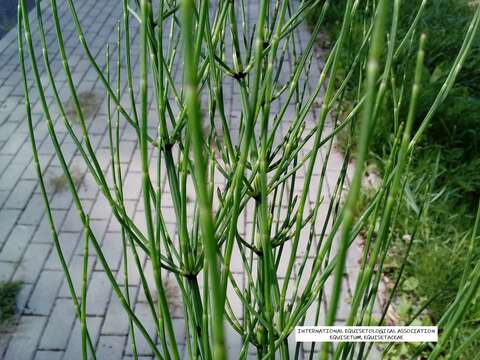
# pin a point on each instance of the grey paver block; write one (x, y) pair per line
(43, 233)
(140, 221)
(24, 343)
(101, 208)
(10, 176)
(132, 269)
(88, 188)
(5, 92)
(116, 319)
(112, 248)
(72, 220)
(143, 313)
(14, 143)
(68, 243)
(8, 218)
(4, 340)
(34, 211)
(59, 325)
(23, 296)
(24, 155)
(16, 243)
(110, 347)
(21, 194)
(126, 151)
(234, 342)
(6, 270)
(4, 160)
(3, 197)
(75, 268)
(30, 172)
(99, 291)
(99, 228)
(179, 330)
(32, 262)
(62, 199)
(43, 296)
(132, 185)
(74, 347)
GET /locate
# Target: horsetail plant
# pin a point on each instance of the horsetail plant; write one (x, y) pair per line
(221, 100)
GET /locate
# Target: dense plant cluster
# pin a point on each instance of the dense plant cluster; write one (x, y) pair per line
(8, 294)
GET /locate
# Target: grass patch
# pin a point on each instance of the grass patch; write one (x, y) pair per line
(8, 296)
(444, 171)
(89, 102)
(59, 183)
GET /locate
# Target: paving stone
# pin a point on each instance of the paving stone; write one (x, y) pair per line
(234, 342)
(62, 199)
(3, 197)
(99, 228)
(10, 176)
(126, 151)
(16, 243)
(110, 347)
(44, 233)
(72, 220)
(4, 160)
(4, 340)
(60, 322)
(30, 172)
(143, 348)
(101, 209)
(74, 347)
(132, 185)
(132, 269)
(23, 296)
(14, 143)
(140, 221)
(24, 343)
(99, 290)
(43, 296)
(6, 270)
(75, 268)
(32, 262)
(5, 92)
(234, 300)
(34, 211)
(24, 155)
(179, 330)
(68, 243)
(116, 319)
(112, 248)
(8, 219)
(88, 188)
(21, 194)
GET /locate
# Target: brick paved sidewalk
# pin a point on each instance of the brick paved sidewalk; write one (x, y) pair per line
(47, 327)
